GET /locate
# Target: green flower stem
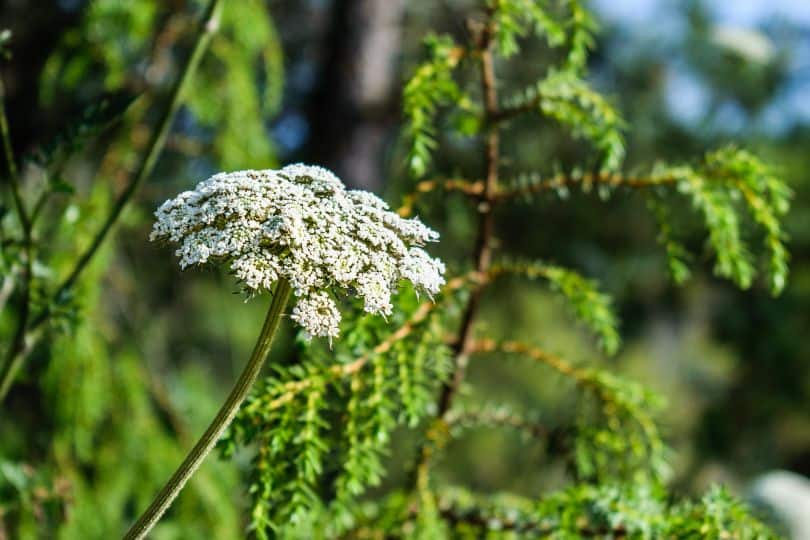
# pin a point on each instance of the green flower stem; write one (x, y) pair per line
(222, 420)
(17, 353)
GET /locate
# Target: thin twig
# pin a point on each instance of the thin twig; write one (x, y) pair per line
(18, 341)
(475, 189)
(585, 179)
(11, 164)
(505, 418)
(535, 353)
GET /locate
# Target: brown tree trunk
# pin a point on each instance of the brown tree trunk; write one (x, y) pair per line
(354, 107)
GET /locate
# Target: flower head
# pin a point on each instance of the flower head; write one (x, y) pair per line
(300, 223)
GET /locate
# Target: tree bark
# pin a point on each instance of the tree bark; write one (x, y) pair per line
(354, 106)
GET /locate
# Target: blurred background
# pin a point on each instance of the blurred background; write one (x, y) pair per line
(320, 81)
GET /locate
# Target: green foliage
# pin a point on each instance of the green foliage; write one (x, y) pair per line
(515, 19)
(561, 95)
(111, 39)
(678, 256)
(728, 182)
(614, 435)
(568, 99)
(320, 430)
(607, 511)
(30, 496)
(617, 459)
(322, 427)
(105, 410)
(228, 98)
(95, 118)
(561, 22)
(617, 437)
(590, 306)
(727, 186)
(582, 26)
(717, 515)
(431, 86)
(89, 433)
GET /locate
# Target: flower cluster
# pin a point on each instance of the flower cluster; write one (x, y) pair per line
(301, 224)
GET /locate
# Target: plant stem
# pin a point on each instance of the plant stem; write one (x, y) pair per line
(486, 224)
(10, 361)
(14, 178)
(483, 245)
(17, 353)
(222, 420)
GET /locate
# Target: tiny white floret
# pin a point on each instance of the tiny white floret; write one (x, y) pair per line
(301, 223)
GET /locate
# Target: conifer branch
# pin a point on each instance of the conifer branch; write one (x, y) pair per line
(484, 47)
(589, 305)
(290, 390)
(515, 347)
(621, 400)
(497, 417)
(524, 186)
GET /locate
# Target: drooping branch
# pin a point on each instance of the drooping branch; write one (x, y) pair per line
(589, 305)
(515, 347)
(208, 26)
(619, 398)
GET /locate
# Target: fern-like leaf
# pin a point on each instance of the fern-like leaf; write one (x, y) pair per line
(589, 305)
(431, 86)
(567, 98)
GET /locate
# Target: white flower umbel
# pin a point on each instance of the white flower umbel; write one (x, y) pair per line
(300, 223)
(297, 229)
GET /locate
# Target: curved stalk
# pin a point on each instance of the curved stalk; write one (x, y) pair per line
(222, 420)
